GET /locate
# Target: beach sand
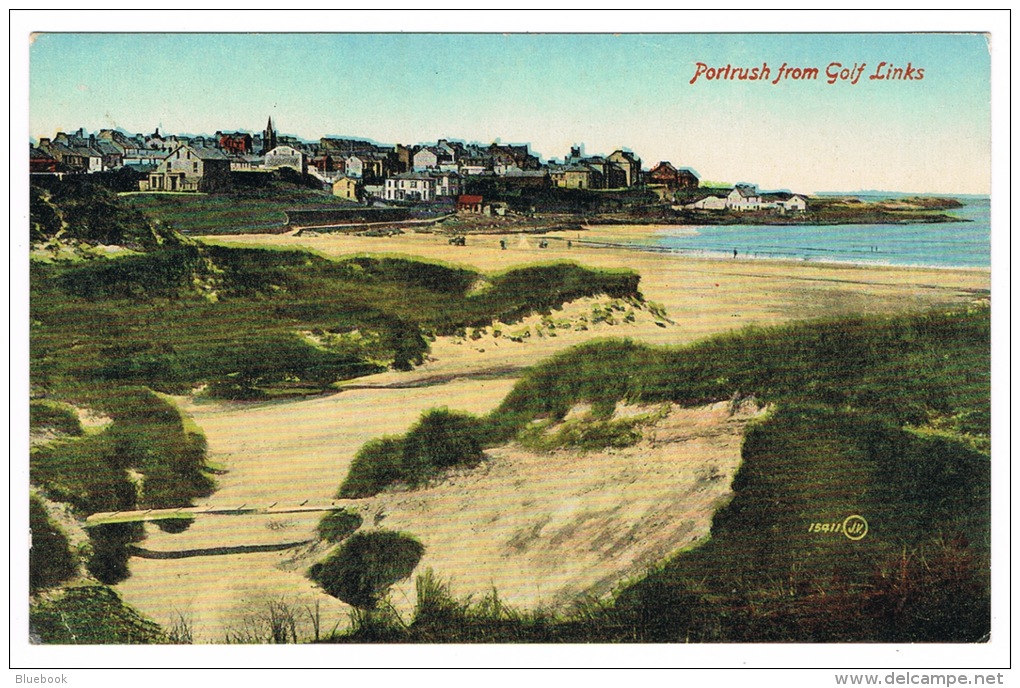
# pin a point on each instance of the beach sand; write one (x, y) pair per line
(703, 296)
(520, 523)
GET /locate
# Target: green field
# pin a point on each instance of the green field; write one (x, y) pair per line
(248, 213)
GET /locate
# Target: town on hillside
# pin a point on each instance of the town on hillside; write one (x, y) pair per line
(363, 171)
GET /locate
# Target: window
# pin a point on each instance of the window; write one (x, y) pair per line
(194, 167)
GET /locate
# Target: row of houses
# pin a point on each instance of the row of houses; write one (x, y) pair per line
(353, 168)
(330, 158)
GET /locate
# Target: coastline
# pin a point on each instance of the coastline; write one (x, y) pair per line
(719, 255)
(703, 295)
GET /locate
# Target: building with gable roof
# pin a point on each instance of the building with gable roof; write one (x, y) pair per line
(190, 168)
(286, 156)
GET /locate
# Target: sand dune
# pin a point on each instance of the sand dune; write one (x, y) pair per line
(539, 528)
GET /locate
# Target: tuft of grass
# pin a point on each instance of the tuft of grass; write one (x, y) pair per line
(360, 570)
(91, 615)
(54, 416)
(339, 524)
(439, 440)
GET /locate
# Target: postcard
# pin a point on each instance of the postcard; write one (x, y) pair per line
(602, 340)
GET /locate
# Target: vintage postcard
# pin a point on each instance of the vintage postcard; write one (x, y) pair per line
(509, 338)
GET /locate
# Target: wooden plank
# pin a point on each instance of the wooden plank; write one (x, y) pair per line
(245, 509)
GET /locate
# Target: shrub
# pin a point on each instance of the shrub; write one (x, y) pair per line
(377, 464)
(109, 559)
(47, 415)
(440, 439)
(361, 570)
(50, 561)
(91, 615)
(337, 525)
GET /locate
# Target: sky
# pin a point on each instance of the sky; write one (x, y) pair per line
(604, 91)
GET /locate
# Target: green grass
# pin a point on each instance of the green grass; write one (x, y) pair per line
(244, 211)
(148, 434)
(56, 417)
(882, 417)
(360, 570)
(91, 615)
(50, 560)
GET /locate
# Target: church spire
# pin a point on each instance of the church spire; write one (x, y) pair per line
(268, 137)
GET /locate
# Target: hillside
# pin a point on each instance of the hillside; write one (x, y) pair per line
(125, 310)
(850, 440)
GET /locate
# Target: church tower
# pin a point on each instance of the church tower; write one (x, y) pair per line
(268, 138)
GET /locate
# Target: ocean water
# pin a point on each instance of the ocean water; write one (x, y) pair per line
(949, 244)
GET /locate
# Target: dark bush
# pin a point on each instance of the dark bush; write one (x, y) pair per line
(110, 554)
(361, 570)
(337, 525)
(441, 439)
(50, 561)
(377, 464)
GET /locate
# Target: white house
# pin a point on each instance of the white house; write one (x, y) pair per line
(285, 156)
(744, 197)
(708, 203)
(795, 203)
(410, 186)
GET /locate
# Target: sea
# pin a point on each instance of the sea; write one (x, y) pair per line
(964, 244)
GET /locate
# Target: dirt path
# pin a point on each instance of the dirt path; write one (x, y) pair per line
(280, 451)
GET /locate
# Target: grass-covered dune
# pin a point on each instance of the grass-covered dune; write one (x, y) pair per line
(165, 314)
(254, 322)
(171, 314)
(886, 418)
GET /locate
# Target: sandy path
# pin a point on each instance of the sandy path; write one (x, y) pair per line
(275, 452)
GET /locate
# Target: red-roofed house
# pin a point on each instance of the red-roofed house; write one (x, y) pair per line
(469, 204)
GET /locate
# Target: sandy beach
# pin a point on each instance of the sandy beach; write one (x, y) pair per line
(703, 296)
(530, 522)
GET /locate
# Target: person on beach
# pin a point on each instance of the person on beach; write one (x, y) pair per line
(734, 253)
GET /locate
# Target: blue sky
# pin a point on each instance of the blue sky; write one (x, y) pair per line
(605, 91)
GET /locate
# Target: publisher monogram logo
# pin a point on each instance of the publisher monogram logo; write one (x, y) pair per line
(855, 527)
